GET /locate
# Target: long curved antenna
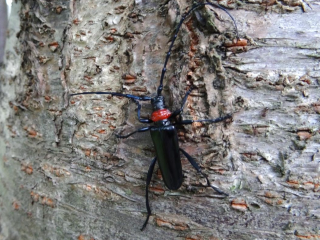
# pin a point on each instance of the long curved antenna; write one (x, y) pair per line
(176, 33)
(141, 98)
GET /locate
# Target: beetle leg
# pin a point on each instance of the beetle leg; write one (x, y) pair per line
(144, 129)
(177, 112)
(196, 166)
(142, 120)
(220, 119)
(141, 98)
(150, 171)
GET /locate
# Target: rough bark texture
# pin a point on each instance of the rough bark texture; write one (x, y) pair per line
(64, 175)
(3, 27)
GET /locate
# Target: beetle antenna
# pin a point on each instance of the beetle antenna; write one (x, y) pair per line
(176, 33)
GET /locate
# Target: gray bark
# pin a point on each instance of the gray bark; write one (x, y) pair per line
(64, 175)
(3, 27)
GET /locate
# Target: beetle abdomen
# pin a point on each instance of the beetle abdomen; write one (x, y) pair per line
(165, 140)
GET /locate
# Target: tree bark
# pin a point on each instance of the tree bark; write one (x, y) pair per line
(3, 27)
(64, 174)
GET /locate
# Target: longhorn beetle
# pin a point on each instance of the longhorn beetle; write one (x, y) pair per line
(163, 132)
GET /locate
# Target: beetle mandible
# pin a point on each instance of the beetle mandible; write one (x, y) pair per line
(163, 132)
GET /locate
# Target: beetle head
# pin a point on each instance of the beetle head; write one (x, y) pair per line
(158, 103)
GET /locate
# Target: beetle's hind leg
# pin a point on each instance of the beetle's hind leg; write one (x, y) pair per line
(150, 171)
(196, 166)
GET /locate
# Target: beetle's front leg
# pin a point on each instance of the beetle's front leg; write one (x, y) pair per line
(142, 120)
(220, 119)
(178, 112)
(196, 166)
(150, 171)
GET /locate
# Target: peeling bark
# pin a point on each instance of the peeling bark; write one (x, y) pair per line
(64, 175)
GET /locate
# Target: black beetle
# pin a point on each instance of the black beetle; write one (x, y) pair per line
(163, 132)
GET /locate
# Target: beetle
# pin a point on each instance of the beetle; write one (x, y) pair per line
(163, 132)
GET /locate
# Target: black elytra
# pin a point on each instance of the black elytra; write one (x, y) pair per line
(163, 132)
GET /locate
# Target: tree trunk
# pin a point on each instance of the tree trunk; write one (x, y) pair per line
(64, 174)
(3, 27)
